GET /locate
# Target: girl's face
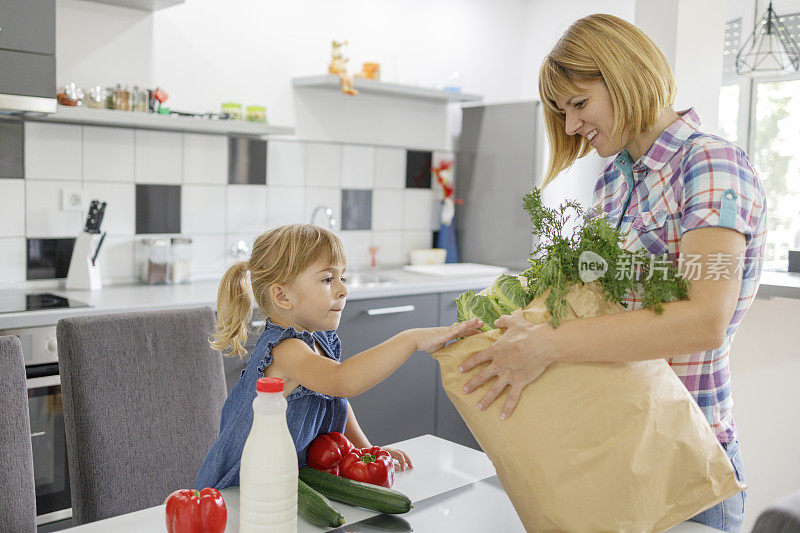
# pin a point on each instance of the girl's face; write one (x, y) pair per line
(317, 297)
(591, 113)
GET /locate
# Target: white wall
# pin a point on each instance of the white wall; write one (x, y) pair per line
(205, 52)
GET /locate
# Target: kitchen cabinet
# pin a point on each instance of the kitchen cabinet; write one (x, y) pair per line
(28, 26)
(403, 405)
(449, 424)
(27, 55)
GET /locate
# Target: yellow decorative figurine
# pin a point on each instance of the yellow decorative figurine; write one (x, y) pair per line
(338, 65)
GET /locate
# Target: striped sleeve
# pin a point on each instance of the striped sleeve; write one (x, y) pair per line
(720, 189)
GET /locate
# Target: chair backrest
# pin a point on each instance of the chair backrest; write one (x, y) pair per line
(781, 517)
(17, 486)
(142, 395)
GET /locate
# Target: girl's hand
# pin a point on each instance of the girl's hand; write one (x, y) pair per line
(432, 339)
(516, 359)
(401, 458)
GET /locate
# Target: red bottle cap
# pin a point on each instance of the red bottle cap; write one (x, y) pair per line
(269, 385)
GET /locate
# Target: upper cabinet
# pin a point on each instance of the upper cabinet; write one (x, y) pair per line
(28, 26)
(28, 55)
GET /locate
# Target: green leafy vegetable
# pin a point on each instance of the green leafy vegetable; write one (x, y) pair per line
(555, 260)
(471, 305)
(507, 294)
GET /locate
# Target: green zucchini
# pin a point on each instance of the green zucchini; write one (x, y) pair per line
(316, 508)
(356, 493)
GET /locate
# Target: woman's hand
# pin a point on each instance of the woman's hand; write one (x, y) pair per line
(432, 339)
(516, 359)
(401, 458)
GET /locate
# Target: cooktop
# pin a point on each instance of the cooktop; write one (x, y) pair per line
(17, 302)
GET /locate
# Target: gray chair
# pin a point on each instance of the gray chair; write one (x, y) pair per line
(782, 516)
(17, 486)
(142, 397)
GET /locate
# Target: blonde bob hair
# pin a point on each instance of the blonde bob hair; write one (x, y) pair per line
(279, 256)
(608, 49)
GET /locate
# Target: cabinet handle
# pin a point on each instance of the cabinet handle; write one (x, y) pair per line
(390, 310)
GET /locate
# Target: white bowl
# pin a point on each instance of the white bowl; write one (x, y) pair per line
(428, 256)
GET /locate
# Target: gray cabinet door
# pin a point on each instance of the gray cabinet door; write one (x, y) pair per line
(27, 74)
(402, 406)
(28, 26)
(449, 424)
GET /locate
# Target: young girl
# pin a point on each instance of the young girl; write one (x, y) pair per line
(297, 278)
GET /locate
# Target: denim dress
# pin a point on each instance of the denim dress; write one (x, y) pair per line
(308, 413)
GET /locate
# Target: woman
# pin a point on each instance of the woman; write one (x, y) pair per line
(675, 190)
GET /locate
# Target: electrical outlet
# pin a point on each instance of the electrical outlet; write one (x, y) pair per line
(71, 199)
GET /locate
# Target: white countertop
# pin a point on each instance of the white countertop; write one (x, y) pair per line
(452, 487)
(125, 298)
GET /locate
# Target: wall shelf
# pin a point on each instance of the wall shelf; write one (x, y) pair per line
(331, 81)
(149, 121)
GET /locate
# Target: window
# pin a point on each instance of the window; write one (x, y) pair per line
(762, 115)
(777, 160)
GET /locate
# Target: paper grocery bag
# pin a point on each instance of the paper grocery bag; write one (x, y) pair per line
(595, 446)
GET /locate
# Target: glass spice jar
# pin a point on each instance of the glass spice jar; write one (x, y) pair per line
(122, 98)
(233, 110)
(256, 113)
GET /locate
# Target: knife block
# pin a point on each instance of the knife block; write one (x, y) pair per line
(82, 274)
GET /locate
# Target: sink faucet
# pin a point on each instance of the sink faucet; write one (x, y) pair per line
(328, 213)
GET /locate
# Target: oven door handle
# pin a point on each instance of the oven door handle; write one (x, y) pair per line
(44, 381)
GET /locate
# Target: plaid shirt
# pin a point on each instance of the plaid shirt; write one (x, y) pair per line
(689, 180)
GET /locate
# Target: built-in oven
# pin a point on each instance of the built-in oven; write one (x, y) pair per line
(48, 437)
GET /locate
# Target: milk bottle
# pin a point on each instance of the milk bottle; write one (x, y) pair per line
(268, 475)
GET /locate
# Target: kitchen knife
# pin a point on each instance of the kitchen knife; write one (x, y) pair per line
(101, 211)
(91, 216)
(97, 250)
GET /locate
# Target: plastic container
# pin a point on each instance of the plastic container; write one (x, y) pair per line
(233, 109)
(268, 473)
(157, 262)
(428, 256)
(256, 113)
(181, 271)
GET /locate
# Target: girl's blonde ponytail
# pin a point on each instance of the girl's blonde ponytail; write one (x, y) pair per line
(234, 311)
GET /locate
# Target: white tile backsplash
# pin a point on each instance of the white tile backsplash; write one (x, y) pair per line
(53, 151)
(358, 164)
(205, 159)
(117, 259)
(12, 261)
(245, 208)
(387, 209)
(391, 247)
(356, 248)
(120, 214)
(234, 237)
(286, 163)
(208, 256)
(107, 154)
(285, 205)
(413, 240)
(159, 157)
(301, 176)
(323, 196)
(418, 209)
(323, 164)
(203, 209)
(390, 168)
(43, 214)
(12, 208)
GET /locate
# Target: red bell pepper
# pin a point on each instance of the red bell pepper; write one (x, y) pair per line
(326, 451)
(190, 511)
(370, 465)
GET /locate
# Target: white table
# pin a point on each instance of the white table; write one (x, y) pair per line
(452, 487)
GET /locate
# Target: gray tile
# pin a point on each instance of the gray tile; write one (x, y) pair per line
(356, 209)
(247, 161)
(158, 208)
(11, 153)
(418, 169)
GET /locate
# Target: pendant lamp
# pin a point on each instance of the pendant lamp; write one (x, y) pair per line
(769, 50)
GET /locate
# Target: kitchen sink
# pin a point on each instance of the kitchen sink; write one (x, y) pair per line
(368, 279)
